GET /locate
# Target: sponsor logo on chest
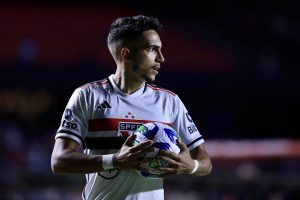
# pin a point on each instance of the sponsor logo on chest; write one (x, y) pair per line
(126, 128)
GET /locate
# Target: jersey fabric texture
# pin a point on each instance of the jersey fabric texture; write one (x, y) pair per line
(99, 116)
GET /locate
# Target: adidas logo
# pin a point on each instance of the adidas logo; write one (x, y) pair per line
(105, 104)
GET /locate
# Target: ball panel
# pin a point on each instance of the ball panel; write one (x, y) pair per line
(164, 138)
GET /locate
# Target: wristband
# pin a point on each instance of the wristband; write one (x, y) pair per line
(195, 167)
(107, 161)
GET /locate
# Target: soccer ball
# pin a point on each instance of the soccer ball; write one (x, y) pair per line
(164, 138)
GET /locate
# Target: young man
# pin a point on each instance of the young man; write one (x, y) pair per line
(95, 137)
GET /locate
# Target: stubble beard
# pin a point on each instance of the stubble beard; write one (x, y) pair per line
(147, 79)
(145, 76)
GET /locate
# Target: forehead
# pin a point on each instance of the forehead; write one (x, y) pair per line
(149, 38)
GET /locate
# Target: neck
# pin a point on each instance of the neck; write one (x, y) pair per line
(127, 82)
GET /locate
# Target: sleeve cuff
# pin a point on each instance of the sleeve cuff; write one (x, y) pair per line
(74, 137)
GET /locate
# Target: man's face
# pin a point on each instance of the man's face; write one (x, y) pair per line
(147, 56)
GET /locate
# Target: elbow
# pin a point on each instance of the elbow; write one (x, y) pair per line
(207, 169)
(57, 165)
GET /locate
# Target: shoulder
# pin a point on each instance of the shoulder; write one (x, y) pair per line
(160, 90)
(88, 89)
(99, 86)
(95, 84)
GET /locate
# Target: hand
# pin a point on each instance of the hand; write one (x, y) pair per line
(177, 163)
(129, 156)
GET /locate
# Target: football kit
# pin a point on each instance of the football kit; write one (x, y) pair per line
(99, 116)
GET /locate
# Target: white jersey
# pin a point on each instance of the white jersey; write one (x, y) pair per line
(99, 116)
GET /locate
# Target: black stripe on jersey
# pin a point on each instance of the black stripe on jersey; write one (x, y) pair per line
(102, 105)
(196, 140)
(104, 142)
(71, 133)
(111, 85)
(107, 104)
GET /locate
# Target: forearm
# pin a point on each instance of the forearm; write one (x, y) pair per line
(205, 165)
(68, 157)
(76, 162)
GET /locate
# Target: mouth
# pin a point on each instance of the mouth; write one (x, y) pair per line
(156, 68)
(155, 71)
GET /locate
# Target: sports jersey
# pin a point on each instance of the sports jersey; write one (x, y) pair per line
(99, 116)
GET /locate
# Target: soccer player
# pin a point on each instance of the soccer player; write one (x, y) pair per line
(94, 137)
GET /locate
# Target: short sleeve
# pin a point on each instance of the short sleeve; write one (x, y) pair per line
(74, 119)
(184, 125)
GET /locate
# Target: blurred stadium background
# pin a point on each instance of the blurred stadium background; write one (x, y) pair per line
(235, 64)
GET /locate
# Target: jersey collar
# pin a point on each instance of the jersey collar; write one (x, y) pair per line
(135, 94)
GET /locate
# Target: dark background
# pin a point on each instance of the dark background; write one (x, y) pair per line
(235, 65)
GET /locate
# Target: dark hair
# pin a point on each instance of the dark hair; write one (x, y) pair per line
(125, 27)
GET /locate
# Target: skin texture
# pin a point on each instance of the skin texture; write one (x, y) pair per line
(137, 60)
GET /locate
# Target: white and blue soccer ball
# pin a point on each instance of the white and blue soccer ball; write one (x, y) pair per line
(164, 138)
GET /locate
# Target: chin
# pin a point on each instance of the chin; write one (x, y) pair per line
(150, 78)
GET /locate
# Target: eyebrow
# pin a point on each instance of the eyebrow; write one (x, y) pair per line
(156, 46)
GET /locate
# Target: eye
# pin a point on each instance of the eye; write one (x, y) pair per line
(151, 49)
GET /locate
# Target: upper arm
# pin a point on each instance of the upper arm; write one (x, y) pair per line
(184, 125)
(74, 121)
(62, 146)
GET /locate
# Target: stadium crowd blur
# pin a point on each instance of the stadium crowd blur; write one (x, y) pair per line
(235, 65)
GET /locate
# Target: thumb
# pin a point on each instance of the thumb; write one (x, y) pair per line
(130, 140)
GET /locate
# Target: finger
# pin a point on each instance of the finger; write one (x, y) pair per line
(142, 153)
(169, 154)
(167, 170)
(130, 140)
(144, 145)
(151, 152)
(181, 145)
(170, 161)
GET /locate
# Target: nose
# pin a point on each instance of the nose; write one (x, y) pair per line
(160, 58)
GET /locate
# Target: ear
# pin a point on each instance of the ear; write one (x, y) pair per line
(125, 53)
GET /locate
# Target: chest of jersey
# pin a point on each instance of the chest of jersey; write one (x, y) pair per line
(114, 114)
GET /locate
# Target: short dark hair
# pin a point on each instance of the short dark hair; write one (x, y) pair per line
(125, 27)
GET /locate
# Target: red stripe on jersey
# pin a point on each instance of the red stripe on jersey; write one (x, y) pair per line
(90, 84)
(101, 82)
(112, 124)
(161, 89)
